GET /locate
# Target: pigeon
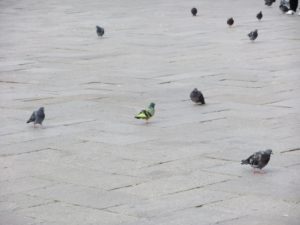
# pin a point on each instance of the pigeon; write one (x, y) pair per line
(253, 35)
(258, 159)
(283, 8)
(146, 114)
(197, 96)
(259, 16)
(37, 117)
(269, 2)
(100, 31)
(194, 11)
(230, 21)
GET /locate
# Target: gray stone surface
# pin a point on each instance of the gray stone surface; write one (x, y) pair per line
(93, 163)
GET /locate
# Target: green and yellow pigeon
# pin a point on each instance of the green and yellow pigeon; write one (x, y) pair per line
(146, 114)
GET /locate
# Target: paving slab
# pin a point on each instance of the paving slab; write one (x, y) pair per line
(93, 163)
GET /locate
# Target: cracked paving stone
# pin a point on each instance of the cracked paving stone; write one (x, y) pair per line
(85, 196)
(62, 213)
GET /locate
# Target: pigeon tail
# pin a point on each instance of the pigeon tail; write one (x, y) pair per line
(202, 101)
(243, 162)
(32, 117)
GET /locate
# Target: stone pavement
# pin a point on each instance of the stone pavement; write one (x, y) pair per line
(94, 164)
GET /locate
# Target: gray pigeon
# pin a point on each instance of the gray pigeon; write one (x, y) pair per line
(258, 159)
(100, 31)
(269, 2)
(197, 96)
(259, 16)
(284, 6)
(230, 21)
(253, 35)
(37, 117)
(194, 11)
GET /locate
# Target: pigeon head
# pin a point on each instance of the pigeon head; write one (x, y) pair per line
(269, 151)
(195, 92)
(41, 109)
(152, 105)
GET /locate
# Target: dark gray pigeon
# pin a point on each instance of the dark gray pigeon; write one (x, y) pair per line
(258, 159)
(100, 31)
(197, 96)
(230, 21)
(259, 16)
(194, 11)
(37, 117)
(253, 35)
(284, 7)
(269, 2)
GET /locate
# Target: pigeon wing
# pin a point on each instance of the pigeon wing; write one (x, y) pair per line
(201, 98)
(32, 117)
(255, 159)
(141, 115)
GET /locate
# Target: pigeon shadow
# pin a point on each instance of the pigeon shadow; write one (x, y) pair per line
(37, 127)
(100, 38)
(255, 42)
(199, 104)
(149, 123)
